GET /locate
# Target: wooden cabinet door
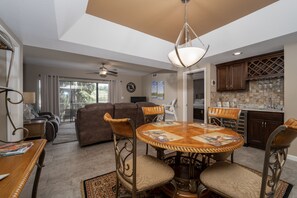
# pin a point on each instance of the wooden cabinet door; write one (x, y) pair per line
(261, 125)
(256, 133)
(270, 126)
(238, 75)
(231, 76)
(222, 78)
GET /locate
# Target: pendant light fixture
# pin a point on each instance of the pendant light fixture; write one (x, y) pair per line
(185, 54)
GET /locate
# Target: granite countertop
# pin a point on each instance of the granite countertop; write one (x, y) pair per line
(263, 109)
(258, 109)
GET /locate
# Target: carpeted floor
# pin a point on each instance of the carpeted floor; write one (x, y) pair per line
(66, 133)
(103, 186)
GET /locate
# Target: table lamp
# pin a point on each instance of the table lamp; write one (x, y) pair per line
(29, 99)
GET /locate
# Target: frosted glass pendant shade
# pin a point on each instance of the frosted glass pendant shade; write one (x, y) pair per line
(188, 49)
(188, 55)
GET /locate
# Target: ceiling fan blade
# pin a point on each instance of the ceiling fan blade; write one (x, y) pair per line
(112, 73)
(92, 73)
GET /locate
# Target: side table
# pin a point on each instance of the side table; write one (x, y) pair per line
(36, 128)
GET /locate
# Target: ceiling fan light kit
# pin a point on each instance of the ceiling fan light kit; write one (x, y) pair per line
(102, 72)
(185, 54)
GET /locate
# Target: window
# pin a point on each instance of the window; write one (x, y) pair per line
(75, 94)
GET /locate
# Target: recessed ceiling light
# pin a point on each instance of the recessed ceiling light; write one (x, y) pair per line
(237, 53)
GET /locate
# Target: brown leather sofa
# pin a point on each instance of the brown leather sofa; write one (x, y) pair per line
(91, 127)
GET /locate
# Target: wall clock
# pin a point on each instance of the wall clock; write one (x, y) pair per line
(131, 87)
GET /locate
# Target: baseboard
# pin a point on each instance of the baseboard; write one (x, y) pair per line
(292, 157)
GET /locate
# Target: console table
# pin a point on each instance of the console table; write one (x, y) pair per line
(20, 168)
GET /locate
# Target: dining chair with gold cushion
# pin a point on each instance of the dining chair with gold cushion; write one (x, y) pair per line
(137, 173)
(225, 117)
(153, 114)
(233, 180)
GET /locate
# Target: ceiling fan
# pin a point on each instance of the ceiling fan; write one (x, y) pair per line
(103, 71)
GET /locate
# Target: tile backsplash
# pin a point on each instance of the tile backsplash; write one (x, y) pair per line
(260, 94)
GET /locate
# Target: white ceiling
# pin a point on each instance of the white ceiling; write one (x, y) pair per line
(59, 33)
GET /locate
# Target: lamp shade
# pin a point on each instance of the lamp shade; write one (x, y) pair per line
(29, 97)
(188, 49)
(188, 55)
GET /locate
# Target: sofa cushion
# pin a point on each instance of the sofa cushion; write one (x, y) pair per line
(125, 110)
(90, 126)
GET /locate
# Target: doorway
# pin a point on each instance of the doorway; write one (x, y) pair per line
(194, 95)
(198, 96)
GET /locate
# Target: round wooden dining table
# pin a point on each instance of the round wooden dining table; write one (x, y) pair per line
(189, 140)
(184, 137)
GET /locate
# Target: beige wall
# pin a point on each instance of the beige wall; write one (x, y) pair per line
(290, 88)
(16, 83)
(170, 90)
(31, 74)
(3, 120)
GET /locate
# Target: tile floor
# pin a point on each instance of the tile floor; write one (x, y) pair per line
(67, 164)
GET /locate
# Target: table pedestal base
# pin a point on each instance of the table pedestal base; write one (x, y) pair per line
(187, 168)
(168, 190)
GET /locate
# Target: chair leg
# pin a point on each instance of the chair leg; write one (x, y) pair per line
(202, 190)
(175, 115)
(117, 188)
(232, 157)
(175, 188)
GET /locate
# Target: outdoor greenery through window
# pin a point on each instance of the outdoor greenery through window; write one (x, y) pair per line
(75, 94)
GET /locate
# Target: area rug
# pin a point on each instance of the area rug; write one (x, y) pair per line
(103, 186)
(66, 133)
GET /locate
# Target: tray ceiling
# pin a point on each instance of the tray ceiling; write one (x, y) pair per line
(164, 18)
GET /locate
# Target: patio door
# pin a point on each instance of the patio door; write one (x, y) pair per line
(75, 94)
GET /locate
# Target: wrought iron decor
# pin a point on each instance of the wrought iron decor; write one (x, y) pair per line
(6, 44)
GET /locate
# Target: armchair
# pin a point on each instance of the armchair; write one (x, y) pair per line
(52, 123)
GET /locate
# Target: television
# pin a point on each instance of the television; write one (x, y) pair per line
(135, 99)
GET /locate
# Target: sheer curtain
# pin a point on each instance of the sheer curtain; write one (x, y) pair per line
(50, 93)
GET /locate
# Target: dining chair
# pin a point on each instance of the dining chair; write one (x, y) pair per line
(233, 180)
(170, 108)
(153, 114)
(137, 173)
(225, 117)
